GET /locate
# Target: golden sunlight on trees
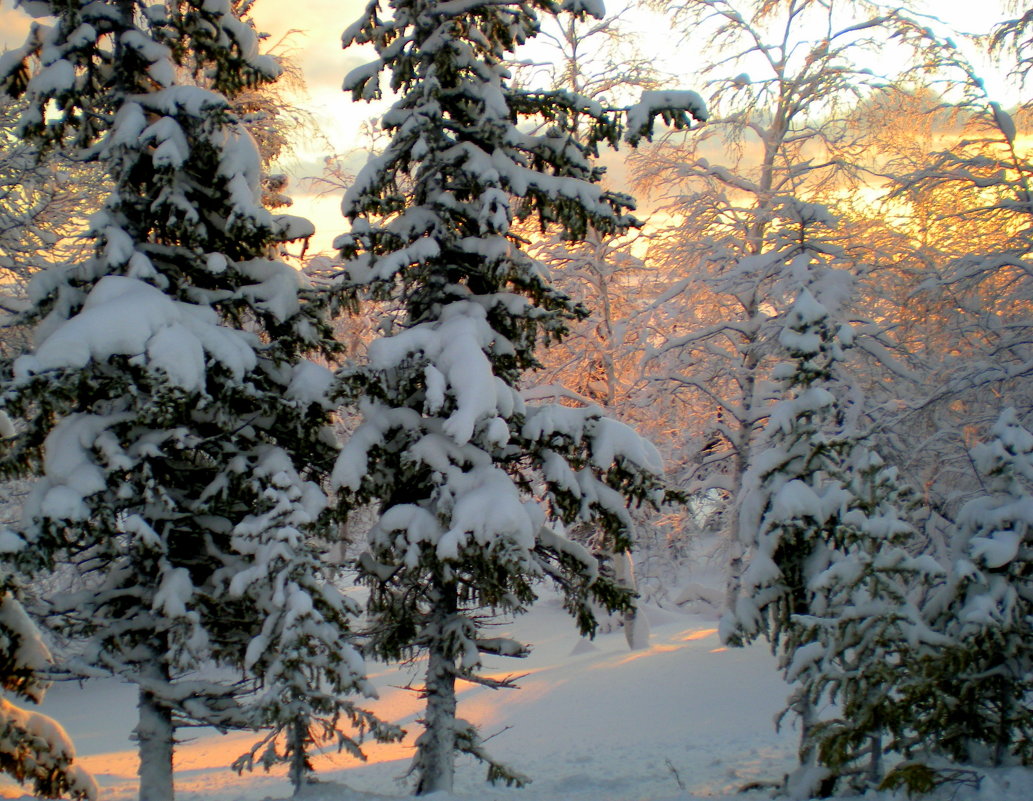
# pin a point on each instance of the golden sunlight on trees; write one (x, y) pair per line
(745, 195)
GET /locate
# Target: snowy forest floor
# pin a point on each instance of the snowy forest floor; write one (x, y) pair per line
(683, 720)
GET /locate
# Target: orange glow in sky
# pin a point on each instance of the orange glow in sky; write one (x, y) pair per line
(310, 32)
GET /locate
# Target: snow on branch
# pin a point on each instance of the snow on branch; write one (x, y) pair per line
(594, 8)
(677, 108)
(503, 646)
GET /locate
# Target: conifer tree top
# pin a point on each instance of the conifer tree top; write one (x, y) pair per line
(179, 431)
(475, 488)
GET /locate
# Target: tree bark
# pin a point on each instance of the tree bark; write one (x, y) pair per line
(155, 735)
(1004, 724)
(298, 741)
(436, 747)
(875, 760)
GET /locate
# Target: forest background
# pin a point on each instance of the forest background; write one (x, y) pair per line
(903, 110)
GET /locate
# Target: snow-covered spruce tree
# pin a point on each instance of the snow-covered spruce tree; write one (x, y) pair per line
(831, 581)
(475, 487)
(168, 406)
(865, 628)
(302, 660)
(973, 699)
(33, 748)
(789, 518)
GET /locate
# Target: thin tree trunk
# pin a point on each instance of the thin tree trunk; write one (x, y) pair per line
(743, 459)
(300, 766)
(804, 782)
(436, 747)
(636, 627)
(733, 581)
(875, 761)
(805, 709)
(1003, 737)
(736, 551)
(155, 735)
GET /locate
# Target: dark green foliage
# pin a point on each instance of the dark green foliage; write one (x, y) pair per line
(474, 486)
(971, 700)
(180, 431)
(33, 749)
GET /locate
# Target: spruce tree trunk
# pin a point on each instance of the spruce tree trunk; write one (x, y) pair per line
(297, 745)
(155, 735)
(1003, 734)
(875, 761)
(155, 731)
(435, 758)
(805, 709)
(805, 782)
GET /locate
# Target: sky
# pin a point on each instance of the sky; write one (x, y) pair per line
(310, 31)
(315, 41)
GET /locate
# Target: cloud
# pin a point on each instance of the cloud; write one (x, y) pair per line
(317, 41)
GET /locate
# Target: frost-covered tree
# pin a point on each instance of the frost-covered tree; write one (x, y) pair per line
(168, 406)
(972, 698)
(601, 61)
(40, 200)
(789, 522)
(44, 202)
(596, 364)
(960, 195)
(475, 487)
(33, 748)
(783, 76)
(865, 627)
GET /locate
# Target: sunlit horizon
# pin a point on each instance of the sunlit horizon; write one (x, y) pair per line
(310, 33)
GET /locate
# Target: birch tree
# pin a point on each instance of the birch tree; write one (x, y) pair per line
(782, 78)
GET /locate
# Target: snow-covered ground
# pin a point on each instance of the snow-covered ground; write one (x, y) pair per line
(595, 721)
